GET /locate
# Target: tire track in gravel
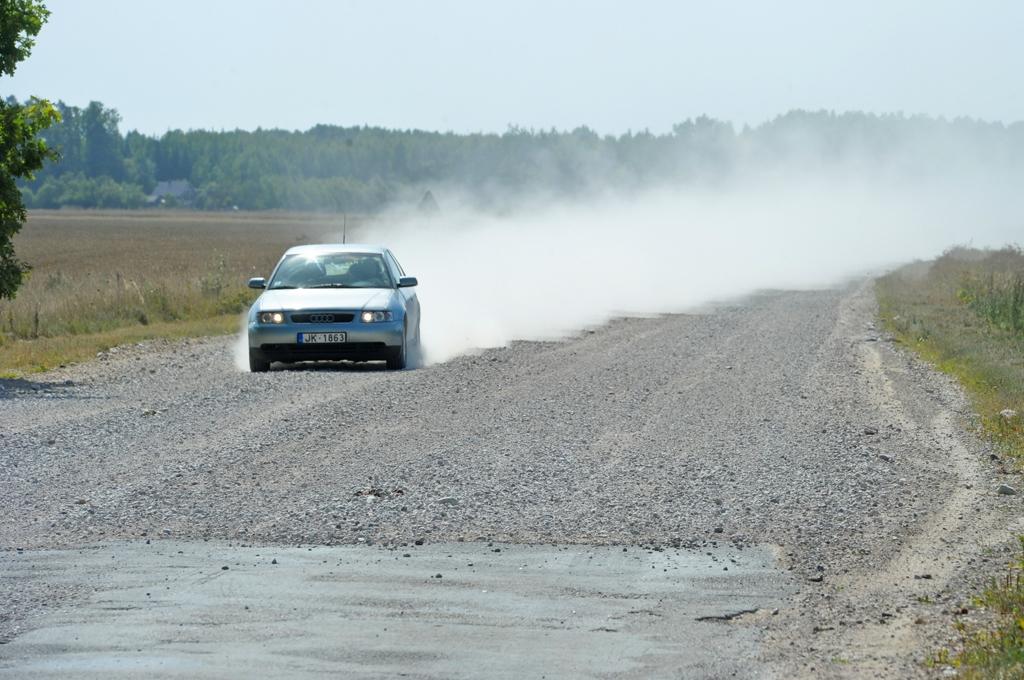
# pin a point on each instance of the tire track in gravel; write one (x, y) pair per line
(882, 619)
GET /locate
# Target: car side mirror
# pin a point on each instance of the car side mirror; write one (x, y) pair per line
(408, 282)
(258, 282)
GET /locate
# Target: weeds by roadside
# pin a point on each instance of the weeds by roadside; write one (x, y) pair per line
(964, 312)
(995, 652)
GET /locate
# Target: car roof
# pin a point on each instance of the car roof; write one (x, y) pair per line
(323, 248)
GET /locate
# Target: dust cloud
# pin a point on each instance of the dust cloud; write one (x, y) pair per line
(549, 270)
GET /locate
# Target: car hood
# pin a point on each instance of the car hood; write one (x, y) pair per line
(324, 298)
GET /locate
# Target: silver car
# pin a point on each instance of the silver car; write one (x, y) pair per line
(332, 302)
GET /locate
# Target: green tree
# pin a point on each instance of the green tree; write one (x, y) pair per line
(102, 151)
(21, 151)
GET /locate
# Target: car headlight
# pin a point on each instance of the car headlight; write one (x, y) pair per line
(271, 317)
(375, 317)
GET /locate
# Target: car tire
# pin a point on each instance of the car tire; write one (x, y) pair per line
(257, 365)
(414, 356)
(398, 358)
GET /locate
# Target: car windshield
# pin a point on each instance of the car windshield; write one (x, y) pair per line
(332, 270)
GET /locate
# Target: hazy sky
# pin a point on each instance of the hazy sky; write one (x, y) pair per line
(483, 65)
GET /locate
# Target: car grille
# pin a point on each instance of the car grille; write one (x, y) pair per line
(323, 317)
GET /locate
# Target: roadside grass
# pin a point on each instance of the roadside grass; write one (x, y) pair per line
(104, 278)
(994, 653)
(964, 312)
(20, 357)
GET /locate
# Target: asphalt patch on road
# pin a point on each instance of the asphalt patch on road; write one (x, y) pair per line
(187, 609)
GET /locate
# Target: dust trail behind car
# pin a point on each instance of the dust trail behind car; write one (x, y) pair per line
(554, 268)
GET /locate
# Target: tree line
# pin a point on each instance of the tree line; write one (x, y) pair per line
(364, 169)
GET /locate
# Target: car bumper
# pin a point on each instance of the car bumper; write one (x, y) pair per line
(363, 341)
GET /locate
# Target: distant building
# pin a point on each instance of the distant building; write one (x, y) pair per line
(175, 192)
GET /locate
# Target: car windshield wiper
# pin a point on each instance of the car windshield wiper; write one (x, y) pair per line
(333, 285)
(282, 287)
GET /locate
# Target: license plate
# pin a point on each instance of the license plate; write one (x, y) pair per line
(321, 338)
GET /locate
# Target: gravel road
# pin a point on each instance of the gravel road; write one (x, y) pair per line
(786, 420)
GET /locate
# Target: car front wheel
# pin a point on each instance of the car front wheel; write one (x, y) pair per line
(398, 357)
(257, 365)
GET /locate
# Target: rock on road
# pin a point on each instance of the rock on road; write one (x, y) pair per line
(785, 423)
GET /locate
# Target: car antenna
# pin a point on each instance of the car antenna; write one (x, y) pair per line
(344, 226)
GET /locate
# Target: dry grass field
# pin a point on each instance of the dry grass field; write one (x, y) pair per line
(103, 278)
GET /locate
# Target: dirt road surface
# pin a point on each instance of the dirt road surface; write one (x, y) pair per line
(782, 443)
